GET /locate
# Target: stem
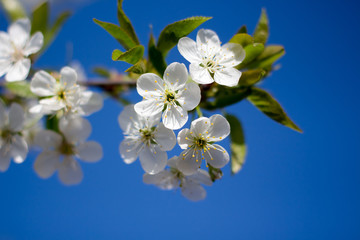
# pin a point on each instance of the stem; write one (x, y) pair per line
(199, 112)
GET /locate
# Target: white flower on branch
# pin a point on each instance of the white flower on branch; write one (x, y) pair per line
(173, 96)
(12, 143)
(173, 178)
(199, 144)
(15, 48)
(210, 61)
(146, 138)
(63, 94)
(59, 150)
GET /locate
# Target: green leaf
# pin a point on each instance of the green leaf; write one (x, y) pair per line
(227, 97)
(131, 56)
(251, 52)
(20, 88)
(242, 38)
(238, 146)
(251, 77)
(268, 56)
(271, 108)
(156, 57)
(171, 34)
(40, 18)
(55, 28)
(118, 33)
(261, 32)
(103, 72)
(243, 29)
(125, 23)
(138, 68)
(13, 9)
(215, 173)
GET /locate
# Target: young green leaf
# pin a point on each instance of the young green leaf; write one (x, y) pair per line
(125, 23)
(138, 68)
(238, 146)
(103, 72)
(13, 9)
(156, 58)
(261, 32)
(227, 97)
(251, 77)
(20, 88)
(271, 54)
(171, 34)
(40, 18)
(242, 38)
(243, 29)
(131, 56)
(271, 108)
(55, 28)
(251, 52)
(118, 33)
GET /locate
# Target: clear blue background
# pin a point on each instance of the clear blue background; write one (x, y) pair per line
(293, 186)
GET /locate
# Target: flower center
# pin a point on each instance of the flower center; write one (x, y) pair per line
(147, 135)
(200, 143)
(67, 148)
(61, 95)
(17, 55)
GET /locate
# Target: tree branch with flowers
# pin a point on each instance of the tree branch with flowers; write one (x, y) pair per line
(48, 109)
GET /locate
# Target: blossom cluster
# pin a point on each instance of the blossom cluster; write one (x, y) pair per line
(61, 99)
(149, 125)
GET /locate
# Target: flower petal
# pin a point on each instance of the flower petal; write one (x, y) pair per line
(68, 77)
(46, 163)
(190, 96)
(19, 71)
(5, 157)
(129, 149)
(5, 65)
(193, 191)
(208, 42)
(19, 149)
(176, 76)
(174, 117)
(200, 74)
(165, 180)
(5, 44)
(48, 139)
(89, 151)
(233, 54)
(164, 137)
(184, 138)
(19, 32)
(43, 84)
(172, 162)
(70, 171)
(201, 176)
(217, 156)
(219, 129)
(91, 102)
(188, 49)
(35, 44)
(149, 107)
(75, 129)
(152, 159)
(189, 162)
(150, 85)
(52, 104)
(200, 126)
(16, 117)
(128, 119)
(227, 77)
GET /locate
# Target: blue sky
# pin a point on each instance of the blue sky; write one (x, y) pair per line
(293, 186)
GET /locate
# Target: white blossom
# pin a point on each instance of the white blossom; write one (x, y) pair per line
(173, 178)
(59, 151)
(173, 96)
(15, 48)
(146, 138)
(210, 61)
(63, 94)
(12, 143)
(199, 144)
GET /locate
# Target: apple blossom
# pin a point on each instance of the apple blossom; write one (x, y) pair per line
(15, 48)
(146, 138)
(173, 96)
(210, 61)
(199, 143)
